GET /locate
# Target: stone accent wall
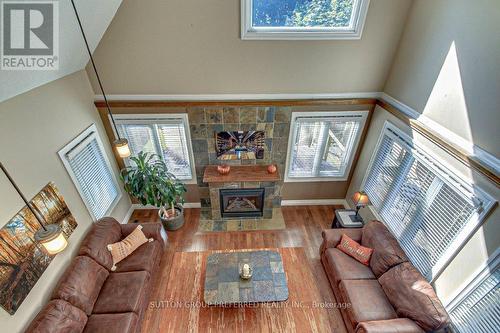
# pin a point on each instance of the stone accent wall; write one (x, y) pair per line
(206, 121)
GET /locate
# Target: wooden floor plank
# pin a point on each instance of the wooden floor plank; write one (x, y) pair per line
(182, 269)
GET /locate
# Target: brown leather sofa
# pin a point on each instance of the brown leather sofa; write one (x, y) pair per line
(92, 298)
(389, 295)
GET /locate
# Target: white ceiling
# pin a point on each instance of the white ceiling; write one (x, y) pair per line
(96, 15)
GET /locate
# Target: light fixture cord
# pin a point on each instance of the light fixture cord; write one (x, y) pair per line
(22, 196)
(95, 70)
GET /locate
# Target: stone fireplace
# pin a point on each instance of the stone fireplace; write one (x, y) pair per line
(248, 191)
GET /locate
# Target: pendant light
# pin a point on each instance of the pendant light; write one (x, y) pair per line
(49, 236)
(121, 144)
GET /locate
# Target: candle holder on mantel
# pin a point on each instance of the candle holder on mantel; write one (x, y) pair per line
(223, 169)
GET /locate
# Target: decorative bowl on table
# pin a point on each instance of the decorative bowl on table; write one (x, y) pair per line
(223, 169)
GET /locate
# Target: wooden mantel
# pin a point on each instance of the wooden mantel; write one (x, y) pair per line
(240, 173)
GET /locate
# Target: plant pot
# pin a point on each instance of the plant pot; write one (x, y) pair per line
(175, 222)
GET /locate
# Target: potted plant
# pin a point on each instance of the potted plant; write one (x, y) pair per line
(149, 181)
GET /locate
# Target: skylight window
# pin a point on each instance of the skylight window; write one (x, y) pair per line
(303, 19)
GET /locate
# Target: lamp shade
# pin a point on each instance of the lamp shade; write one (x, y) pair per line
(360, 199)
(51, 238)
(122, 148)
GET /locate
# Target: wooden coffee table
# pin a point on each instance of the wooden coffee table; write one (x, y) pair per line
(223, 284)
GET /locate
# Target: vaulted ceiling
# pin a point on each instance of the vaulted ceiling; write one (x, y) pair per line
(96, 15)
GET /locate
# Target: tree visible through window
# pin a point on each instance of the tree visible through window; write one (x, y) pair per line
(303, 19)
(302, 13)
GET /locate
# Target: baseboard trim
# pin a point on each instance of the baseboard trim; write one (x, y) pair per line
(185, 205)
(238, 97)
(128, 215)
(314, 202)
(192, 205)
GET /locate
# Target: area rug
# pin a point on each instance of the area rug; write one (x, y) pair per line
(277, 222)
(177, 303)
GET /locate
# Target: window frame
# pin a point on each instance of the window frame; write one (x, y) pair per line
(249, 32)
(90, 131)
(163, 117)
(362, 114)
(444, 170)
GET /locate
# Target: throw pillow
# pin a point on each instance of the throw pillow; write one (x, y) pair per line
(124, 248)
(355, 250)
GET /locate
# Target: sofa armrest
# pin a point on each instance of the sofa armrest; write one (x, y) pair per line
(399, 325)
(331, 237)
(150, 230)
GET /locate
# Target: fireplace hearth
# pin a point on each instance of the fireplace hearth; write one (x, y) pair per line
(239, 203)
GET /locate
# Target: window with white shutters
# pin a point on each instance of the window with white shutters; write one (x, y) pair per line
(164, 135)
(88, 166)
(477, 308)
(428, 208)
(322, 144)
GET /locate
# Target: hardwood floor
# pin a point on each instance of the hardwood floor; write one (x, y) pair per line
(180, 277)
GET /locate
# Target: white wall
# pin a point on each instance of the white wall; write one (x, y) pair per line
(447, 67)
(194, 47)
(33, 128)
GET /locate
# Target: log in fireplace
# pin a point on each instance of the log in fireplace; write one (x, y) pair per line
(242, 202)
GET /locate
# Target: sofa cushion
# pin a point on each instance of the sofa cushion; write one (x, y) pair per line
(331, 237)
(142, 259)
(112, 323)
(58, 316)
(413, 297)
(122, 249)
(105, 231)
(123, 292)
(81, 283)
(343, 267)
(367, 299)
(355, 250)
(386, 250)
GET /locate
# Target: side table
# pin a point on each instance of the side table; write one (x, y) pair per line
(346, 218)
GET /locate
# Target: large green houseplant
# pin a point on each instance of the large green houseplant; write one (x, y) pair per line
(148, 180)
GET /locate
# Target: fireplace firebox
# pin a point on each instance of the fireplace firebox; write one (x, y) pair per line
(242, 202)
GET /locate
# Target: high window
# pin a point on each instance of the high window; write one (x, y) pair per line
(322, 144)
(89, 168)
(303, 19)
(428, 207)
(166, 135)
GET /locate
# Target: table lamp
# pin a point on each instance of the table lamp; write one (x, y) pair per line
(360, 199)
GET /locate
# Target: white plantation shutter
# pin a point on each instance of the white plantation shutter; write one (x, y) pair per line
(164, 136)
(477, 310)
(427, 207)
(323, 145)
(91, 172)
(175, 149)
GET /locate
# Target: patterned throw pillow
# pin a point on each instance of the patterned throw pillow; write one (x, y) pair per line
(355, 250)
(124, 248)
